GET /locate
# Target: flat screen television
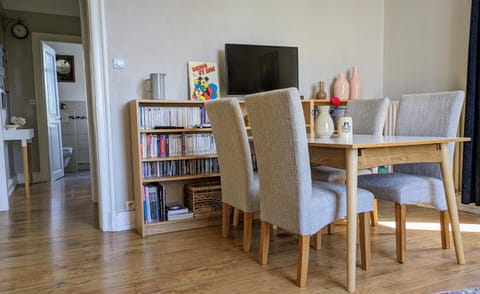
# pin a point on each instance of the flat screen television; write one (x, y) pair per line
(256, 68)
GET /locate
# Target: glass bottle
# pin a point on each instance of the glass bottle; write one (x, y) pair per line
(321, 91)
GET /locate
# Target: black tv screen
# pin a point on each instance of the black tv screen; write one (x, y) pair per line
(257, 68)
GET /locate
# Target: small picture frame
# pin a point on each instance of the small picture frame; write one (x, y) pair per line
(65, 65)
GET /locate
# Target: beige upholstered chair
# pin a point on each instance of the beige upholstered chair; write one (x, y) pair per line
(368, 116)
(289, 198)
(239, 182)
(432, 114)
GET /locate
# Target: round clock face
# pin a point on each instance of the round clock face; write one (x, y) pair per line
(20, 31)
(63, 66)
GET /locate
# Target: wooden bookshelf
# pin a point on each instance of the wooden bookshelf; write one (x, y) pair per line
(140, 129)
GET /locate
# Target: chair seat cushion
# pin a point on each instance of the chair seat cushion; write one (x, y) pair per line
(405, 189)
(333, 175)
(329, 202)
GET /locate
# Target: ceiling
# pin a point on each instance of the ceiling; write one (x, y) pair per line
(59, 7)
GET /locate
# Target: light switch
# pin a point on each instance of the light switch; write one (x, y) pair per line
(118, 63)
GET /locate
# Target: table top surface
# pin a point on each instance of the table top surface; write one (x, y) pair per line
(371, 141)
(18, 134)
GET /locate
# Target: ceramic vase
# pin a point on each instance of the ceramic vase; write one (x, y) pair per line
(323, 123)
(341, 88)
(355, 85)
(321, 91)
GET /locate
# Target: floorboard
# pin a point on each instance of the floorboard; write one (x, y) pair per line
(50, 243)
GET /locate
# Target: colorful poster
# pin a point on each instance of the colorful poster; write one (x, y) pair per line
(203, 80)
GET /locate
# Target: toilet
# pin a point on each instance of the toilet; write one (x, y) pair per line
(67, 153)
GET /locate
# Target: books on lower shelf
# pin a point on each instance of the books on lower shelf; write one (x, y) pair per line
(154, 199)
(179, 213)
(180, 216)
(182, 210)
(171, 168)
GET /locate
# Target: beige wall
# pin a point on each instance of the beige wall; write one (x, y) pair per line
(426, 46)
(161, 36)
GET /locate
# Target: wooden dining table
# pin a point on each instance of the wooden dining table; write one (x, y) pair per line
(367, 151)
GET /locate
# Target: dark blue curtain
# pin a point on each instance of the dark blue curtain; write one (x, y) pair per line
(471, 159)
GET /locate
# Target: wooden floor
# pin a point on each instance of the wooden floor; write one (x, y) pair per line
(51, 244)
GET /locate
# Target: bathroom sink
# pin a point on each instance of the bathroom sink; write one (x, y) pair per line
(19, 134)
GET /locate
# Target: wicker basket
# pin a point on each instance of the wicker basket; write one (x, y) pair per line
(204, 199)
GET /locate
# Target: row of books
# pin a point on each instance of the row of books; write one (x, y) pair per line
(155, 208)
(154, 200)
(160, 145)
(185, 117)
(179, 167)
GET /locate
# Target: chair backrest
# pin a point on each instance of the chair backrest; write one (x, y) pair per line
(236, 171)
(280, 139)
(368, 115)
(429, 114)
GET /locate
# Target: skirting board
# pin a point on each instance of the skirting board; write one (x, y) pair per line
(471, 208)
(35, 178)
(125, 220)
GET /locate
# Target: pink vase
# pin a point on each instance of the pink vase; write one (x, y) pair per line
(341, 87)
(355, 85)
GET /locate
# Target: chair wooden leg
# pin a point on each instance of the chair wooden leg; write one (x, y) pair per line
(365, 242)
(331, 228)
(236, 214)
(445, 229)
(302, 262)
(225, 220)
(317, 240)
(264, 242)
(401, 231)
(374, 213)
(247, 231)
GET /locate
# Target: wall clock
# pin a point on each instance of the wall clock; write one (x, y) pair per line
(19, 30)
(65, 68)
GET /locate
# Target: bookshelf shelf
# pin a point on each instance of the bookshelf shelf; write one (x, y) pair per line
(165, 158)
(180, 178)
(176, 131)
(179, 157)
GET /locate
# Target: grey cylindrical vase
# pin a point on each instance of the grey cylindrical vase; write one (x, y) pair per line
(158, 85)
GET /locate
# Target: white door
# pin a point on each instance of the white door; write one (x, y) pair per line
(54, 127)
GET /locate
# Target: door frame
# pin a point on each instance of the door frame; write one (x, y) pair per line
(42, 134)
(92, 16)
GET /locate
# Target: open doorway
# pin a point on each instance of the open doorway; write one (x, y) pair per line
(72, 95)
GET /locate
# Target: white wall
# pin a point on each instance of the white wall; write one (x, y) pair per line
(161, 36)
(426, 46)
(72, 90)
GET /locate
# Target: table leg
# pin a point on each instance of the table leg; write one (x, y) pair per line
(26, 172)
(351, 159)
(451, 202)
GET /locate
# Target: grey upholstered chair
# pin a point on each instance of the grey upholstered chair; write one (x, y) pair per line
(368, 116)
(288, 196)
(432, 114)
(239, 182)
